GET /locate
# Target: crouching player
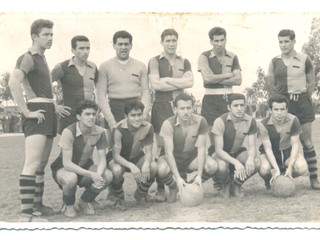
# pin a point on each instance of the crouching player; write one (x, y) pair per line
(132, 151)
(184, 136)
(75, 166)
(279, 134)
(230, 132)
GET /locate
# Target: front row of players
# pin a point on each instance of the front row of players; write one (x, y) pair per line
(235, 159)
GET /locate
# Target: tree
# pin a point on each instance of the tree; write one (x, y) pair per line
(5, 93)
(260, 89)
(312, 47)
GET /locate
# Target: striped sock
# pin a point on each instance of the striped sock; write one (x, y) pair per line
(39, 189)
(168, 180)
(117, 189)
(206, 176)
(160, 185)
(216, 182)
(143, 187)
(27, 193)
(311, 158)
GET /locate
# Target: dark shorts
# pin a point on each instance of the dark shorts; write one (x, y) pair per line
(281, 157)
(183, 161)
(57, 165)
(302, 109)
(160, 112)
(133, 160)
(117, 108)
(48, 126)
(213, 106)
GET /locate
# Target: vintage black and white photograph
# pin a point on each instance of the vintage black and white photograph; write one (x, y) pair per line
(202, 119)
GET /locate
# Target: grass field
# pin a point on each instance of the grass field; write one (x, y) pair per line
(259, 205)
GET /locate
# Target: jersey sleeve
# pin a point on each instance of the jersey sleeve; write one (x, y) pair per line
(262, 131)
(102, 142)
(236, 64)
(57, 73)
(308, 65)
(149, 136)
(296, 127)
(203, 128)
(218, 127)
(153, 67)
(66, 140)
(25, 63)
(117, 137)
(166, 130)
(203, 63)
(253, 127)
(187, 66)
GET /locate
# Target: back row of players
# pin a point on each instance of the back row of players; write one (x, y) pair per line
(180, 135)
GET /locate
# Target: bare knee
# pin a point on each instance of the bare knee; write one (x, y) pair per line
(107, 176)
(163, 168)
(117, 171)
(265, 166)
(211, 166)
(67, 179)
(300, 166)
(153, 168)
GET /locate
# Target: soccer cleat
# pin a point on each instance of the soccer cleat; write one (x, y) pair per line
(69, 211)
(160, 196)
(43, 210)
(120, 205)
(225, 191)
(142, 199)
(31, 218)
(315, 184)
(267, 184)
(98, 205)
(173, 195)
(236, 191)
(86, 207)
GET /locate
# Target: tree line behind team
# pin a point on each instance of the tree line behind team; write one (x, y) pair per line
(175, 142)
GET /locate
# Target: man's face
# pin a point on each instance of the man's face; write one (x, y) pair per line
(44, 38)
(82, 51)
(279, 111)
(286, 45)
(237, 108)
(170, 44)
(219, 43)
(184, 110)
(87, 117)
(122, 47)
(134, 118)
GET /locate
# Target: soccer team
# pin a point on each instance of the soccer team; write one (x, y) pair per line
(219, 145)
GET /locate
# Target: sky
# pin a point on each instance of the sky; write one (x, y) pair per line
(252, 36)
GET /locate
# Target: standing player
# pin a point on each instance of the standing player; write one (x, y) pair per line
(132, 152)
(220, 70)
(292, 75)
(75, 166)
(77, 77)
(279, 134)
(121, 80)
(184, 137)
(39, 119)
(169, 75)
(230, 131)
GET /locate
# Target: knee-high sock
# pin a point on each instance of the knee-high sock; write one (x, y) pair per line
(39, 189)
(143, 187)
(27, 193)
(311, 158)
(169, 181)
(117, 188)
